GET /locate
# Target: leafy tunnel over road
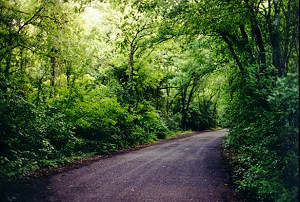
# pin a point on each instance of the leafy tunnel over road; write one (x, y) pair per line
(187, 169)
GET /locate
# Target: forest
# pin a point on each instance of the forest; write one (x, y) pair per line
(79, 78)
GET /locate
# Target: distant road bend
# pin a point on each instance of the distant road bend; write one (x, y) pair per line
(186, 169)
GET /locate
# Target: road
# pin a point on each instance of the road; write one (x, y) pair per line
(186, 169)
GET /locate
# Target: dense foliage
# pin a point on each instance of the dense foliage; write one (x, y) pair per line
(259, 45)
(80, 78)
(265, 142)
(84, 77)
(259, 41)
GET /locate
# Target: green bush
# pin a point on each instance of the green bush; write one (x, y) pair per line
(30, 137)
(151, 122)
(104, 120)
(140, 136)
(265, 140)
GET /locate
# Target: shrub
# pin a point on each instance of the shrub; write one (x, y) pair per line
(30, 137)
(104, 120)
(265, 139)
(151, 122)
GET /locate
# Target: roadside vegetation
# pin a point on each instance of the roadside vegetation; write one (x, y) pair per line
(79, 78)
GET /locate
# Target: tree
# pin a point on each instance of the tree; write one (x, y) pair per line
(136, 30)
(262, 48)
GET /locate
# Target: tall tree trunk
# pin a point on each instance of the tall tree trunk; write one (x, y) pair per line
(245, 45)
(193, 90)
(258, 37)
(130, 77)
(168, 99)
(183, 108)
(157, 98)
(8, 56)
(68, 73)
(274, 36)
(232, 51)
(186, 101)
(52, 83)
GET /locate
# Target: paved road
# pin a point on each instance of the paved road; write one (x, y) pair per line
(185, 169)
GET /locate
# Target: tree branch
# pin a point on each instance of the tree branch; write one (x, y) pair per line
(30, 19)
(232, 51)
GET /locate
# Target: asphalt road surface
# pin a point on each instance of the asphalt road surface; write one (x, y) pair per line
(186, 169)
